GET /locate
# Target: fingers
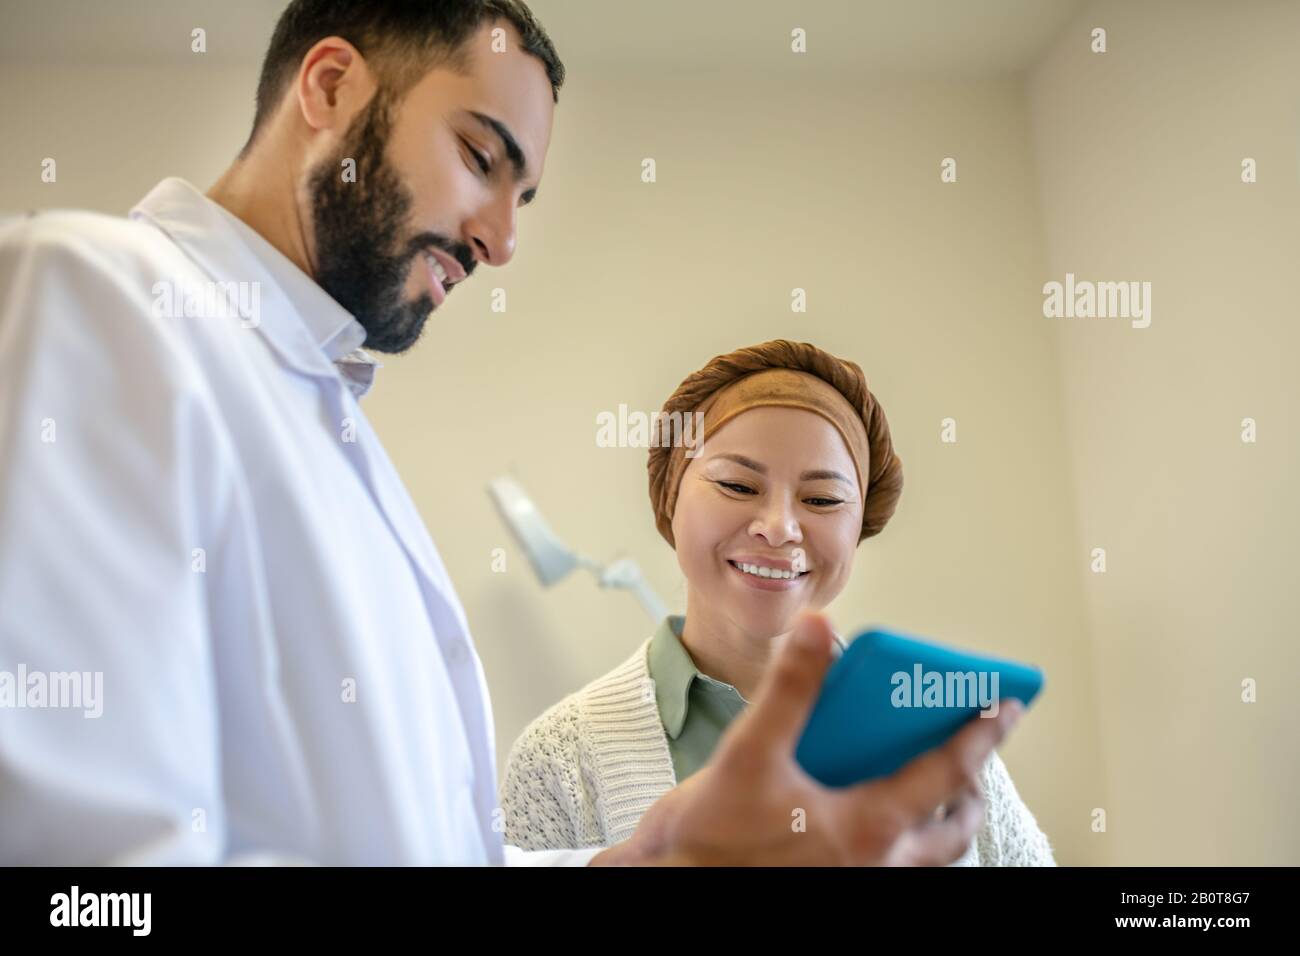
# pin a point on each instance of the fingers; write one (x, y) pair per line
(948, 807)
(790, 685)
(942, 773)
(939, 842)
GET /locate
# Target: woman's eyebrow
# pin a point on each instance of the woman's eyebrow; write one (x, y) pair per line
(814, 475)
(823, 473)
(742, 460)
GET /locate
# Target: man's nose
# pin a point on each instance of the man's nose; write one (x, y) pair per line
(492, 233)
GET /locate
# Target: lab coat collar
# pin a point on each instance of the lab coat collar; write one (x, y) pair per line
(307, 328)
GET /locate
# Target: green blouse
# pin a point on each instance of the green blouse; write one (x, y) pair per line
(695, 708)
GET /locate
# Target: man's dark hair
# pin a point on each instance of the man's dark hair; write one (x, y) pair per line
(401, 40)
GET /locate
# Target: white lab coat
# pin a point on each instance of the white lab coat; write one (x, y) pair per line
(197, 509)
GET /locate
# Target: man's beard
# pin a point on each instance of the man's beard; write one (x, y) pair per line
(363, 253)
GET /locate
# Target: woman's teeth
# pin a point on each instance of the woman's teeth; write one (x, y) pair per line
(763, 572)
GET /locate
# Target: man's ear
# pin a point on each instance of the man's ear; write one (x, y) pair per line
(334, 82)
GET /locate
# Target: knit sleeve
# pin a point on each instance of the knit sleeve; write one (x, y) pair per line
(537, 792)
(1010, 835)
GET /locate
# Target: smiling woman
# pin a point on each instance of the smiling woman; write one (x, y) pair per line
(795, 469)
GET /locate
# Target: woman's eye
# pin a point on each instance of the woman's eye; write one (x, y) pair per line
(738, 489)
(823, 502)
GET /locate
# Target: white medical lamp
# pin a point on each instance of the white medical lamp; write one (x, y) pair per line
(553, 560)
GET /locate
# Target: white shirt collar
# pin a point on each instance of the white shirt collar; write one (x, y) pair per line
(215, 237)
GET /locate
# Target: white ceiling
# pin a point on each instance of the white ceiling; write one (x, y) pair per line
(951, 36)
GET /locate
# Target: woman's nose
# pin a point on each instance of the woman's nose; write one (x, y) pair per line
(777, 524)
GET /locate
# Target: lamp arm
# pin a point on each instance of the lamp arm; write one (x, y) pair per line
(626, 574)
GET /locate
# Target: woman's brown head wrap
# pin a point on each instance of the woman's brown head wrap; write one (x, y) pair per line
(788, 374)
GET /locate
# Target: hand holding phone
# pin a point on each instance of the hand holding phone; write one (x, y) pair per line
(891, 697)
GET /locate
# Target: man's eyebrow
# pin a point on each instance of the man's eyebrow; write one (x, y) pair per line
(511, 146)
(814, 475)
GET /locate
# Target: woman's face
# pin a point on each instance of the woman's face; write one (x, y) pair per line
(772, 488)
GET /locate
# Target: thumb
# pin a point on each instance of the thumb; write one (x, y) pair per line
(790, 686)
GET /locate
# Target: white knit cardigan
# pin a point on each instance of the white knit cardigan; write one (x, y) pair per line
(584, 772)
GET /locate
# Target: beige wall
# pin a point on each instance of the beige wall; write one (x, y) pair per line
(1139, 153)
(621, 288)
(828, 180)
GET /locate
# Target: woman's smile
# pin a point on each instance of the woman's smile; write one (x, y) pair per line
(768, 574)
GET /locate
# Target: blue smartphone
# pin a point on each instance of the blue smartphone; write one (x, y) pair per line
(890, 698)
